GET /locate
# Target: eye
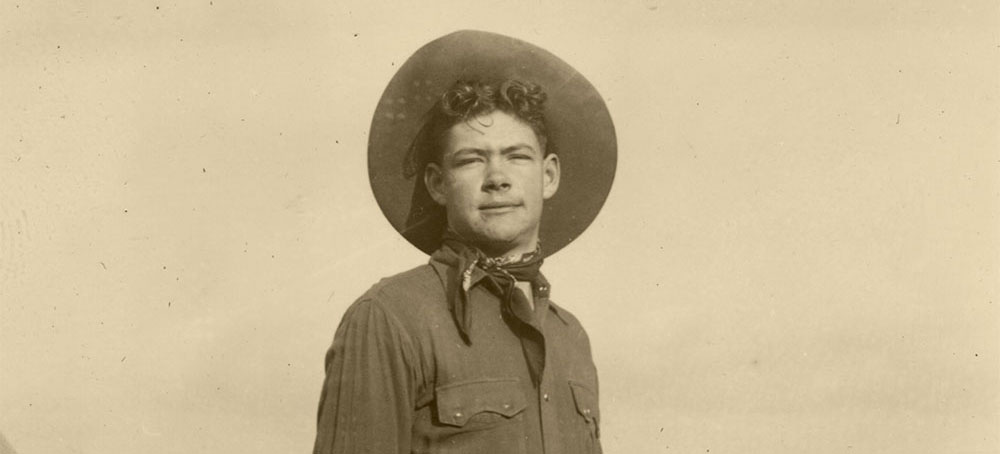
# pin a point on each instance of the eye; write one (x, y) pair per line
(467, 161)
(521, 156)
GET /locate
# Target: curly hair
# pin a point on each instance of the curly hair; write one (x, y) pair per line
(466, 100)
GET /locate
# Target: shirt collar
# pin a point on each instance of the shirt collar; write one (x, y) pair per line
(446, 268)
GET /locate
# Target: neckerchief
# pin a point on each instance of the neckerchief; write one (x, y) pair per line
(501, 275)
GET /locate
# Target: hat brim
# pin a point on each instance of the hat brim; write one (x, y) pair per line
(579, 130)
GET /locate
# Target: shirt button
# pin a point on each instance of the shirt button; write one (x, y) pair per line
(545, 397)
(458, 415)
(506, 406)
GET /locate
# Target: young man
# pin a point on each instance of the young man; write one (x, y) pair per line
(467, 354)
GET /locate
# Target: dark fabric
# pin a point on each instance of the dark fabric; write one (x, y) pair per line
(400, 377)
(503, 272)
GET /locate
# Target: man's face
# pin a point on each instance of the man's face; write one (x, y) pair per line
(492, 179)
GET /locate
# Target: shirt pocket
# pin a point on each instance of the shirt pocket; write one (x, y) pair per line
(586, 406)
(479, 401)
(480, 416)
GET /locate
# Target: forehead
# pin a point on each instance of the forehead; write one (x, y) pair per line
(495, 130)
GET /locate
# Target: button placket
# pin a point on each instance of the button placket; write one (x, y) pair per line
(550, 421)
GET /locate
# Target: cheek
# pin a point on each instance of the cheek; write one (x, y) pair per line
(463, 190)
(532, 182)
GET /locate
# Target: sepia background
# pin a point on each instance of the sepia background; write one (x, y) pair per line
(800, 252)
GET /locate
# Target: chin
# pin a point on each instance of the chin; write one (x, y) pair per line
(496, 240)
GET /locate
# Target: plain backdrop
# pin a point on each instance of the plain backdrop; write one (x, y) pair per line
(800, 252)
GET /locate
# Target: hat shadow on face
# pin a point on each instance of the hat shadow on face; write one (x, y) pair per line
(579, 126)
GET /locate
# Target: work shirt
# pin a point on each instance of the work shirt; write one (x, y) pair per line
(401, 379)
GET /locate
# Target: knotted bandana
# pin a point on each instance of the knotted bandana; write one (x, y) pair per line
(502, 273)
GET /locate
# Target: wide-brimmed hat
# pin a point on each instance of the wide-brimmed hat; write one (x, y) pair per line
(579, 130)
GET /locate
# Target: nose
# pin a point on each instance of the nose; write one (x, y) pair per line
(496, 179)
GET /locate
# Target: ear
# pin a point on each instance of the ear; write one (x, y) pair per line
(550, 176)
(434, 182)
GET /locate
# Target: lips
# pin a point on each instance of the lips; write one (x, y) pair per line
(498, 206)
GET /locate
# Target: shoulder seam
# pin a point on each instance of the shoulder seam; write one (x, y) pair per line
(405, 335)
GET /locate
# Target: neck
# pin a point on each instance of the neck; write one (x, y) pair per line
(506, 250)
(496, 249)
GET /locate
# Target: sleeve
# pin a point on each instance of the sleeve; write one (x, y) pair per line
(368, 396)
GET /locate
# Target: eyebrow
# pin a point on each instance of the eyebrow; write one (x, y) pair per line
(516, 147)
(507, 150)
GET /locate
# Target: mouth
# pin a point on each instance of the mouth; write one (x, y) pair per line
(498, 207)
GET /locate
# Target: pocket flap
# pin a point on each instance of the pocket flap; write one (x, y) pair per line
(586, 401)
(458, 402)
